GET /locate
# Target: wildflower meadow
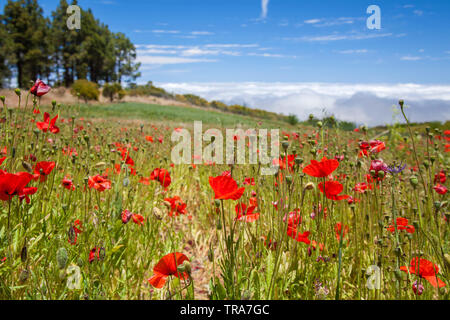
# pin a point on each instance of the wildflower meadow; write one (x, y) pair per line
(97, 209)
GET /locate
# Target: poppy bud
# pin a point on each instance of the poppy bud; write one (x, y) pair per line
(27, 166)
(23, 254)
(381, 174)
(61, 257)
(285, 145)
(309, 186)
(187, 267)
(320, 124)
(437, 205)
(17, 91)
(2, 98)
(217, 203)
(181, 268)
(418, 288)
(289, 179)
(54, 103)
(414, 181)
(298, 161)
(401, 103)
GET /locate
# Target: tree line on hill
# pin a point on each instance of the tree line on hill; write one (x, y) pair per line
(33, 46)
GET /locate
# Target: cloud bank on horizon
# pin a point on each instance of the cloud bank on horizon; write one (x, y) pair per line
(370, 104)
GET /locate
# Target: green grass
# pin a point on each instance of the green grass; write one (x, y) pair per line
(153, 112)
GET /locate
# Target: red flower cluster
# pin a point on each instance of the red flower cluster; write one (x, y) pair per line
(402, 224)
(177, 206)
(99, 183)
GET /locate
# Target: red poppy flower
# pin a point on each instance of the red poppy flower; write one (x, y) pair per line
(48, 125)
(249, 181)
(161, 175)
(321, 169)
(68, 184)
(332, 190)
(338, 230)
(300, 237)
(286, 162)
(373, 146)
(402, 224)
(425, 269)
(40, 88)
(42, 170)
(246, 214)
(362, 187)
(138, 219)
(294, 218)
(378, 165)
(441, 177)
(225, 188)
(440, 189)
(99, 183)
(96, 253)
(75, 231)
(168, 266)
(15, 185)
(149, 138)
(177, 206)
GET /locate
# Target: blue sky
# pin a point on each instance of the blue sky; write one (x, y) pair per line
(216, 48)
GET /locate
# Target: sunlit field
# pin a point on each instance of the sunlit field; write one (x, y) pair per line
(92, 207)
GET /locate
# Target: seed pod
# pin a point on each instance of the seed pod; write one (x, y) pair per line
(61, 257)
(17, 91)
(414, 181)
(23, 277)
(27, 166)
(24, 254)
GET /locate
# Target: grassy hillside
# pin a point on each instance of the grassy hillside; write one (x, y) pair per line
(159, 113)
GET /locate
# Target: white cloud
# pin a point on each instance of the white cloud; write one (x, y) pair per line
(166, 31)
(202, 33)
(265, 8)
(411, 58)
(362, 103)
(312, 21)
(162, 60)
(340, 37)
(353, 51)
